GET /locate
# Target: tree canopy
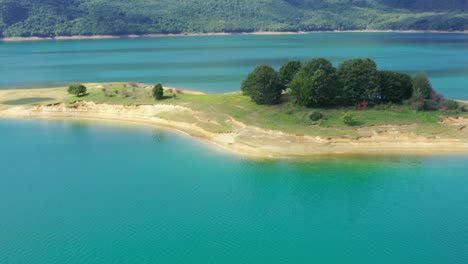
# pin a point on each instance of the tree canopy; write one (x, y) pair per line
(287, 72)
(422, 86)
(77, 89)
(356, 82)
(315, 84)
(158, 91)
(395, 87)
(44, 18)
(263, 85)
(359, 80)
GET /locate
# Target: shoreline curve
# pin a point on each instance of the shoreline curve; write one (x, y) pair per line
(246, 140)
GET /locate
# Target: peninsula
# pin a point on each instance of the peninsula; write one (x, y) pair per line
(235, 123)
(304, 109)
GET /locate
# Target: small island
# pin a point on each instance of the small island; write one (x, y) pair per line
(305, 109)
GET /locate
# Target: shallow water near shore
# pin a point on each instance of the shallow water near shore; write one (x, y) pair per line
(82, 192)
(219, 63)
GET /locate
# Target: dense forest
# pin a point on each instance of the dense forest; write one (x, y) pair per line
(45, 18)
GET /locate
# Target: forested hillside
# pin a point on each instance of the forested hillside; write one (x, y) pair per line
(45, 18)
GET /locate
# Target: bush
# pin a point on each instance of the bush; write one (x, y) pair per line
(316, 116)
(77, 89)
(158, 91)
(451, 105)
(422, 87)
(263, 86)
(348, 119)
(430, 105)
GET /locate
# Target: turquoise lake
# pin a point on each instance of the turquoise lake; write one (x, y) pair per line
(76, 192)
(99, 192)
(219, 63)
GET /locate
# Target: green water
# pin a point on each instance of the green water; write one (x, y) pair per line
(219, 63)
(75, 192)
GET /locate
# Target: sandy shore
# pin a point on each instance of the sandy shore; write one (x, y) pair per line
(221, 34)
(254, 141)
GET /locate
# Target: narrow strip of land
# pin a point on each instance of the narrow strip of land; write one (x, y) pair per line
(233, 123)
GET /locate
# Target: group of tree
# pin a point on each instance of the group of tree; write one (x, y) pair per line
(317, 83)
(46, 18)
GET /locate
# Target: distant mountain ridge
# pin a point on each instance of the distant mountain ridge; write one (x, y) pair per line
(46, 18)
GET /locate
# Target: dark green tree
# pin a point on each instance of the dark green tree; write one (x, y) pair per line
(359, 81)
(422, 87)
(77, 89)
(158, 91)
(315, 84)
(311, 66)
(395, 87)
(263, 85)
(287, 72)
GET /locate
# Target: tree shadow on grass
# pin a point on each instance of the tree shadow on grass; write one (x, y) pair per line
(167, 97)
(82, 95)
(356, 123)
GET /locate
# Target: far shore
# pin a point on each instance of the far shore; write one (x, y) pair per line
(201, 34)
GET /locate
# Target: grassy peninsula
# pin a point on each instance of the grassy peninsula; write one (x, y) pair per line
(305, 108)
(236, 123)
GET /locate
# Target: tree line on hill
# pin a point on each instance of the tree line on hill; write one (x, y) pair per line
(48, 18)
(355, 82)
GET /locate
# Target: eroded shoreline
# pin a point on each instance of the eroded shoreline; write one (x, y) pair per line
(251, 141)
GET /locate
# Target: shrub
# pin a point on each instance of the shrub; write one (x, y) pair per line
(348, 119)
(422, 87)
(451, 105)
(263, 86)
(77, 89)
(430, 105)
(316, 116)
(158, 91)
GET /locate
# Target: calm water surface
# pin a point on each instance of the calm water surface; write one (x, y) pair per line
(219, 63)
(75, 192)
